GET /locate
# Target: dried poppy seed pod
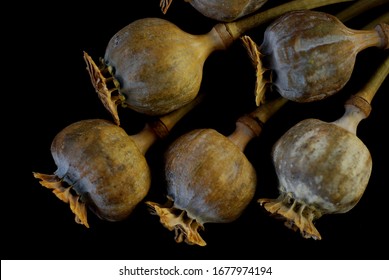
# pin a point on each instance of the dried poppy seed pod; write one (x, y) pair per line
(323, 168)
(209, 179)
(154, 67)
(203, 190)
(225, 11)
(101, 167)
(312, 54)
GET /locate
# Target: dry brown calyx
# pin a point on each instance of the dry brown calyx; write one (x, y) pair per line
(185, 228)
(106, 86)
(297, 215)
(63, 192)
(255, 56)
(165, 4)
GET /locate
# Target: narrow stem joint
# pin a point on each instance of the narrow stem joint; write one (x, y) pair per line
(254, 124)
(383, 31)
(361, 103)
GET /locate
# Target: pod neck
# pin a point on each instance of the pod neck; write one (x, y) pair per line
(358, 106)
(161, 127)
(250, 125)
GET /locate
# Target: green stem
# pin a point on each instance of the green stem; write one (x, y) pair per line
(161, 127)
(372, 86)
(169, 121)
(360, 102)
(241, 26)
(250, 125)
(358, 8)
(264, 112)
(384, 18)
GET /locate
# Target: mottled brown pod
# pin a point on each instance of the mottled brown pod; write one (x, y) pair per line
(209, 179)
(323, 168)
(311, 54)
(101, 167)
(225, 11)
(154, 67)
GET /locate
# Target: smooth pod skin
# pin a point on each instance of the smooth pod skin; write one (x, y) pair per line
(226, 11)
(312, 54)
(158, 66)
(209, 180)
(322, 169)
(103, 166)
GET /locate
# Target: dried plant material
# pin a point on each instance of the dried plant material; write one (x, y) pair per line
(312, 54)
(101, 167)
(62, 191)
(323, 167)
(209, 179)
(159, 67)
(256, 56)
(109, 97)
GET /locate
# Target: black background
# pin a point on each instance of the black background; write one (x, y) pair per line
(49, 88)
